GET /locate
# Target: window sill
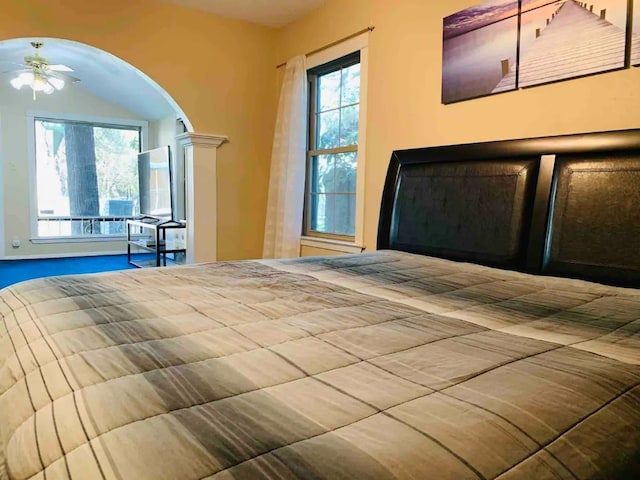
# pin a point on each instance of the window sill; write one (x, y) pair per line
(101, 238)
(329, 244)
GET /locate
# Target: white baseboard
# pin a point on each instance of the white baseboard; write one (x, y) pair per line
(61, 255)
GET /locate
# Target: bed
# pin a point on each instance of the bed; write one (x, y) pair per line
(494, 334)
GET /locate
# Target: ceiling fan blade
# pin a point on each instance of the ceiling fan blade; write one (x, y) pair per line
(63, 76)
(59, 68)
(16, 71)
(16, 64)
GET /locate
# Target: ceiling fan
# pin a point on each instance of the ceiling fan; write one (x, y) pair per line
(40, 75)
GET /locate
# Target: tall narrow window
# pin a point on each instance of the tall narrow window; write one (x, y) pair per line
(332, 159)
(86, 177)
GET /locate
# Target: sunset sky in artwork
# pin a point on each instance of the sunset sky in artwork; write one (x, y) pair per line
(487, 13)
(479, 16)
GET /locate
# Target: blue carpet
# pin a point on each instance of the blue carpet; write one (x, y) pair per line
(14, 271)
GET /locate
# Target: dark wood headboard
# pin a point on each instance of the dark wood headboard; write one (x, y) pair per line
(564, 206)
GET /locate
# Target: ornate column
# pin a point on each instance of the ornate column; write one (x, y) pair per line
(200, 194)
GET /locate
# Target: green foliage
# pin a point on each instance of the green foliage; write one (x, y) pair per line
(338, 108)
(116, 162)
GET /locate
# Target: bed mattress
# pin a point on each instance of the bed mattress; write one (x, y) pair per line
(381, 365)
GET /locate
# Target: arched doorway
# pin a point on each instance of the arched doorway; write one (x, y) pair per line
(104, 77)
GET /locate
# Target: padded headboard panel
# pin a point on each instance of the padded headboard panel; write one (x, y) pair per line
(564, 206)
(469, 210)
(595, 218)
(469, 202)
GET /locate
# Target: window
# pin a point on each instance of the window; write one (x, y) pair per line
(332, 159)
(86, 177)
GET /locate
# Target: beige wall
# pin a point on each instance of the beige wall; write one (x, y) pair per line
(405, 55)
(15, 184)
(220, 71)
(163, 132)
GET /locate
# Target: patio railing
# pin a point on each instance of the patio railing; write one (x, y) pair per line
(82, 226)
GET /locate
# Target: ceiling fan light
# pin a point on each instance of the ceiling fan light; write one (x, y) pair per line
(48, 89)
(40, 84)
(57, 83)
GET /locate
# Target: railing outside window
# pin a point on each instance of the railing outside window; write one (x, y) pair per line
(90, 226)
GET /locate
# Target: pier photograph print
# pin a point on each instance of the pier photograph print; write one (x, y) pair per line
(480, 45)
(563, 40)
(484, 51)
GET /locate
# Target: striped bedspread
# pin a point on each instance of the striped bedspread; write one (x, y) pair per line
(375, 366)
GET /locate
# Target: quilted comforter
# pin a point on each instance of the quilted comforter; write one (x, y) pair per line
(373, 366)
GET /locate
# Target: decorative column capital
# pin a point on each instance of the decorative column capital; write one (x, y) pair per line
(205, 140)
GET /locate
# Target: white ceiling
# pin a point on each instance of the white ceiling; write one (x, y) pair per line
(100, 74)
(271, 13)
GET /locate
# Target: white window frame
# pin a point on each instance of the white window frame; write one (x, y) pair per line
(31, 155)
(359, 43)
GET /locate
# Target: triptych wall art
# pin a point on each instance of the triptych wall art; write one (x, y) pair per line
(503, 45)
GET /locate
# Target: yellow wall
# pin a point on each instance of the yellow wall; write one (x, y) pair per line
(220, 72)
(405, 56)
(15, 184)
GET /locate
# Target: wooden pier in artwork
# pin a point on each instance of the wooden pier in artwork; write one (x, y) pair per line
(577, 40)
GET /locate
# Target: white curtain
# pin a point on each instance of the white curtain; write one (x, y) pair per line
(288, 164)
